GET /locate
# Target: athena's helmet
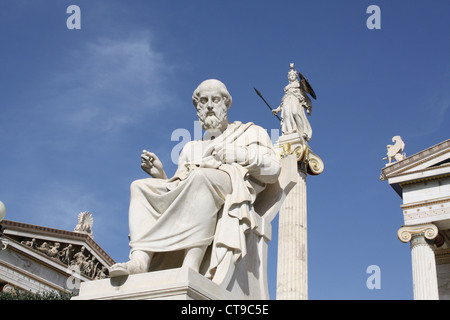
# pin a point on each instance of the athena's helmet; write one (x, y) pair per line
(292, 74)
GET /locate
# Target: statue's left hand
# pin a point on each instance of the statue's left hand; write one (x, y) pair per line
(231, 154)
(210, 162)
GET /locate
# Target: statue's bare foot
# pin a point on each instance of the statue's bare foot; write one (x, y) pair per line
(133, 266)
(118, 269)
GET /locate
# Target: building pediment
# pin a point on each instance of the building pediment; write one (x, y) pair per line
(429, 164)
(34, 249)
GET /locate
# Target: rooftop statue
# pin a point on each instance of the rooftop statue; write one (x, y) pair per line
(85, 223)
(395, 151)
(201, 216)
(294, 103)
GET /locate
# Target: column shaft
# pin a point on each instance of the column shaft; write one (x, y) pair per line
(425, 282)
(424, 269)
(292, 270)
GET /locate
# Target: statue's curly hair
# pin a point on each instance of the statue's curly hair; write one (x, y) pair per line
(212, 82)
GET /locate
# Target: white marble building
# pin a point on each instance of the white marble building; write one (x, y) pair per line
(38, 259)
(422, 180)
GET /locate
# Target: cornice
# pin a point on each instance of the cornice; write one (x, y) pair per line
(66, 235)
(419, 158)
(438, 176)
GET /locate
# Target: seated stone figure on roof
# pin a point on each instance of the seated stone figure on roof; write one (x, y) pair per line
(199, 217)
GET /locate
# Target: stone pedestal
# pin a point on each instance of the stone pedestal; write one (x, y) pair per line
(292, 269)
(172, 284)
(423, 259)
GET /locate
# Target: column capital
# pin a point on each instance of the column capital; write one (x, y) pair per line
(295, 145)
(428, 231)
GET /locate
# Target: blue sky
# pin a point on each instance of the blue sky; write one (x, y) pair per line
(78, 106)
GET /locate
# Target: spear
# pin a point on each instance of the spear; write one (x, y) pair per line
(260, 95)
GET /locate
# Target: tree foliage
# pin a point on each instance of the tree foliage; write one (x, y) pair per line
(28, 295)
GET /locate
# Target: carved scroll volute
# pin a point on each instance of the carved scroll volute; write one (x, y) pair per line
(315, 164)
(298, 151)
(303, 153)
(429, 231)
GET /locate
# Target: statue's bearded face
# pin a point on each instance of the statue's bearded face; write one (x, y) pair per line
(211, 109)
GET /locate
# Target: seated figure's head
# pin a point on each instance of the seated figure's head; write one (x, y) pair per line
(212, 100)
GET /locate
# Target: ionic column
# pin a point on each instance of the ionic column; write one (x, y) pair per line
(423, 261)
(292, 271)
(292, 267)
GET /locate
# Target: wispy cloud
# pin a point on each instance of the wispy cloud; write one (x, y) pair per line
(58, 204)
(103, 87)
(434, 114)
(108, 81)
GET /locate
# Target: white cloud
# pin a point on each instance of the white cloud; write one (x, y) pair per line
(433, 115)
(58, 204)
(105, 86)
(108, 82)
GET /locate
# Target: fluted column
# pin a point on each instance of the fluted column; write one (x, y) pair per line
(423, 261)
(292, 267)
(292, 271)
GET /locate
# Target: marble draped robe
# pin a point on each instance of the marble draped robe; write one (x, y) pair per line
(293, 118)
(206, 203)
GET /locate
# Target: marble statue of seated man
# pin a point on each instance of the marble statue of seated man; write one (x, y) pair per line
(199, 217)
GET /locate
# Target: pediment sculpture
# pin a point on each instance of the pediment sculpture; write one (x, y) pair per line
(74, 257)
(85, 223)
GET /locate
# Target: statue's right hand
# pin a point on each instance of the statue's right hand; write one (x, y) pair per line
(151, 164)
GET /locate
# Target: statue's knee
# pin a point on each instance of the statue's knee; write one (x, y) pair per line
(198, 175)
(137, 185)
